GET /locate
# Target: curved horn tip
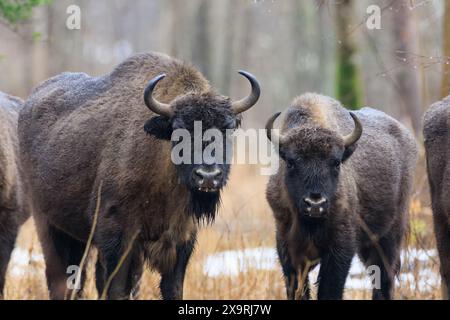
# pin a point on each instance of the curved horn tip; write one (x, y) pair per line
(152, 83)
(255, 85)
(353, 115)
(248, 102)
(356, 120)
(156, 79)
(154, 105)
(357, 132)
(273, 118)
(269, 125)
(245, 73)
(162, 75)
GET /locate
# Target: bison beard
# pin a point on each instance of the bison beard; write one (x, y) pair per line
(204, 206)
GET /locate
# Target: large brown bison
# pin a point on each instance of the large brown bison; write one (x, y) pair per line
(342, 188)
(13, 211)
(437, 138)
(78, 133)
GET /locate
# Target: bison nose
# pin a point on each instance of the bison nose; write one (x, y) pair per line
(315, 204)
(207, 180)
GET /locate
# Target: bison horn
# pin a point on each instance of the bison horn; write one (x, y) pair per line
(274, 137)
(356, 134)
(248, 102)
(154, 105)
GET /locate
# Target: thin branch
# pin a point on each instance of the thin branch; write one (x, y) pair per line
(119, 265)
(89, 242)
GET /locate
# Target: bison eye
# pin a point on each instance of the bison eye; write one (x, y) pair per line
(337, 164)
(290, 163)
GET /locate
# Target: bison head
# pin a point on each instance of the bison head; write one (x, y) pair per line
(313, 158)
(204, 178)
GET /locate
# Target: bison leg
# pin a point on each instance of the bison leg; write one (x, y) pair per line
(100, 274)
(305, 293)
(172, 282)
(135, 275)
(126, 282)
(291, 283)
(334, 269)
(290, 273)
(7, 239)
(109, 273)
(386, 256)
(60, 251)
(442, 230)
(117, 282)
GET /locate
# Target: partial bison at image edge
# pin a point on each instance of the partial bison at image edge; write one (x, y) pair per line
(13, 209)
(436, 132)
(80, 135)
(343, 188)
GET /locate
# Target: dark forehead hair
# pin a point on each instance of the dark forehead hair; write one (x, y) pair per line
(212, 109)
(311, 142)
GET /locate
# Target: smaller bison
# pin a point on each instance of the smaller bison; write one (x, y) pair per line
(437, 138)
(342, 188)
(12, 210)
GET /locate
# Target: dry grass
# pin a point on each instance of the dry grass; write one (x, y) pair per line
(245, 221)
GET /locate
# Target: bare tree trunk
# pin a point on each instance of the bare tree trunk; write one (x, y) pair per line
(322, 48)
(39, 52)
(348, 83)
(245, 40)
(297, 29)
(228, 56)
(407, 77)
(175, 29)
(246, 31)
(445, 85)
(201, 48)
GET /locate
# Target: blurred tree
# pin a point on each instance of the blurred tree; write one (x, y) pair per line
(246, 32)
(298, 26)
(348, 83)
(231, 13)
(323, 53)
(246, 25)
(177, 17)
(201, 48)
(15, 11)
(445, 85)
(406, 76)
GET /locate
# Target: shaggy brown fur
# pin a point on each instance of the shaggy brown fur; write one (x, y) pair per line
(437, 138)
(77, 131)
(12, 203)
(369, 191)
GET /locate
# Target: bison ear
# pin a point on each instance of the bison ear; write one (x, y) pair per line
(349, 151)
(159, 127)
